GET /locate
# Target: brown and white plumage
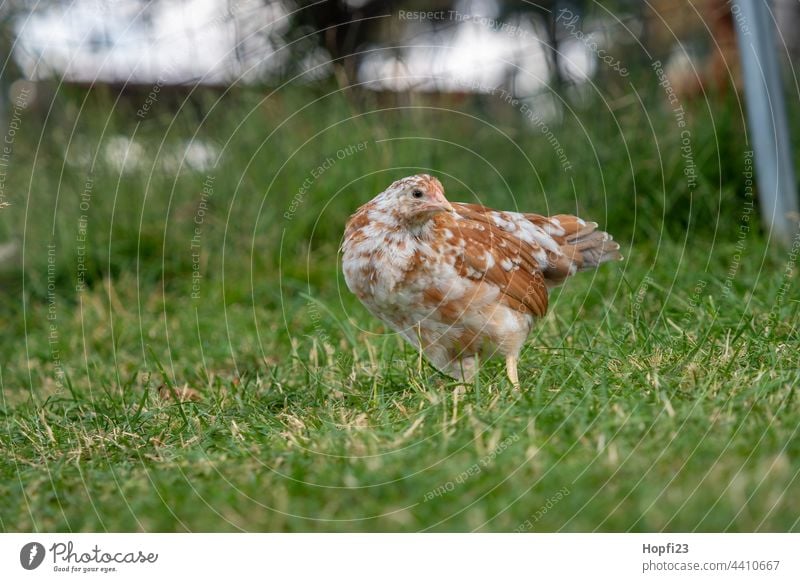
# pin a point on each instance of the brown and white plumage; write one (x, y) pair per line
(460, 281)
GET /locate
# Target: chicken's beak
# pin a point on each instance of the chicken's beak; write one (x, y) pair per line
(438, 204)
(433, 207)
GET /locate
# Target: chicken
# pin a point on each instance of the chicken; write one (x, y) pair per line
(462, 282)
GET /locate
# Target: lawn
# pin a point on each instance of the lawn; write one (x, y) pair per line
(180, 351)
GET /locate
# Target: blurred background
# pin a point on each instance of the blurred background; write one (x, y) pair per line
(143, 101)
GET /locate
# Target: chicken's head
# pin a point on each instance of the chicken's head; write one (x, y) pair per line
(414, 200)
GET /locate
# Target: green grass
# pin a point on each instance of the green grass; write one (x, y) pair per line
(657, 394)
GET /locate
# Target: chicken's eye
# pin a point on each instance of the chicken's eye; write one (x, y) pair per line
(417, 193)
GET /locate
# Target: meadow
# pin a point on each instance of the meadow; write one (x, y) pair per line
(180, 353)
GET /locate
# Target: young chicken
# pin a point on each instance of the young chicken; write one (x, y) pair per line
(461, 281)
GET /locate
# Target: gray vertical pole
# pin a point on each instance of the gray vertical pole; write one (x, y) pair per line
(766, 111)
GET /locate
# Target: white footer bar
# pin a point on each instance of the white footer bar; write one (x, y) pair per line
(401, 557)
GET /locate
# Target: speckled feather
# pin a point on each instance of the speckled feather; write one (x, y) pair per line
(462, 280)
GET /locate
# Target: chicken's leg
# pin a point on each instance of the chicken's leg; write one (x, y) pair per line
(511, 370)
(466, 369)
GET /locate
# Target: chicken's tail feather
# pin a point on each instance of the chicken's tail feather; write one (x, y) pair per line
(594, 247)
(583, 247)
